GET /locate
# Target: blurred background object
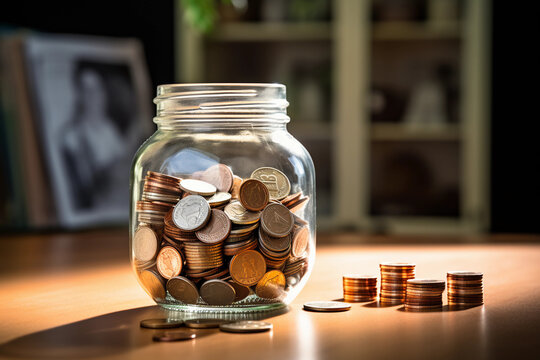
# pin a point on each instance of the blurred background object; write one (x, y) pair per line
(401, 103)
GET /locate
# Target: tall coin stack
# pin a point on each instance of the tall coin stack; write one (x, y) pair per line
(424, 295)
(465, 288)
(359, 288)
(394, 278)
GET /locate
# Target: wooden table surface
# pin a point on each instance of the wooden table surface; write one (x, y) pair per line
(74, 296)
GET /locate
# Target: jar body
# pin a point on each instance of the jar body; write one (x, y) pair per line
(261, 151)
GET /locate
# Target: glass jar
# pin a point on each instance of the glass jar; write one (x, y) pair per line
(223, 201)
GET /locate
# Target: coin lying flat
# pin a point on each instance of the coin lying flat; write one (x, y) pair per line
(217, 292)
(183, 289)
(216, 230)
(277, 220)
(326, 306)
(205, 323)
(145, 244)
(161, 323)
(248, 326)
(218, 199)
(197, 187)
(191, 213)
(254, 195)
(277, 182)
(240, 215)
(177, 335)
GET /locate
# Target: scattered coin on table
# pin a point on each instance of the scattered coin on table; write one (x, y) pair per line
(327, 306)
(177, 335)
(161, 323)
(247, 326)
(205, 323)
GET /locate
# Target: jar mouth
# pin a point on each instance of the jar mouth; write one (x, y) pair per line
(221, 102)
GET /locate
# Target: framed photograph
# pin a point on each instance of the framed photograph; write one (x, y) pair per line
(93, 110)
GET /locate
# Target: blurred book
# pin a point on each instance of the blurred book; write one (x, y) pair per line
(74, 111)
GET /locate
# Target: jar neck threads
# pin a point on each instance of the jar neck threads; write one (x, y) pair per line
(223, 104)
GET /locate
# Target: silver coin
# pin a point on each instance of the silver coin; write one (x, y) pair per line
(247, 326)
(191, 213)
(278, 183)
(326, 306)
(197, 187)
(219, 198)
(162, 323)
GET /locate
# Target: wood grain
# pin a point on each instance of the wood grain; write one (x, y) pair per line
(74, 296)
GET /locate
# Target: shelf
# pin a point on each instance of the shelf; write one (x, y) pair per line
(268, 31)
(415, 30)
(404, 132)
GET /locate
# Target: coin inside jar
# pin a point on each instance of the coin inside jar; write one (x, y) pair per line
(169, 262)
(219, 175)
(218, 199)
(300, 241)
(191, 213)
(247, 267)
(253, 194)
(216, 230)
(217, 292)
(277, 182)
(271, 285)
(145, 243)
(197, 187)
(183, 289)
(153, 284)
(277, 220)
(240, 215)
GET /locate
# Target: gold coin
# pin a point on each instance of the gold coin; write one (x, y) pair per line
(240, 215)
(271, 285)
(278, 183)
(247, 267)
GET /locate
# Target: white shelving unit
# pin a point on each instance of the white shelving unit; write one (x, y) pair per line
(351, 35)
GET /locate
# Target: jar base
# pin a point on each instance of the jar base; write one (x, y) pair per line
(240, 308)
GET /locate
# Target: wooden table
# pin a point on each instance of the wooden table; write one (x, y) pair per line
(74, 296)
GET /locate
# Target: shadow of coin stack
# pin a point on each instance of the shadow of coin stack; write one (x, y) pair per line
(465, 289)
(359, 288)
(394, 278)
(424, 295)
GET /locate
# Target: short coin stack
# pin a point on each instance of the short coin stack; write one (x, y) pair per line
(394, 278)
(465, 288)
(424, 295)
(359, 288)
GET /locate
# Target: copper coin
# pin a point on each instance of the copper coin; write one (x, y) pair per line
(246, 326)
(197, 187)
(217, 292)
(277, 220)
(145, 243)
(241, 291)
(254, 195)
(235, 190)
(218, 175)
(191, 213)
(183, 289)
(240, 215)
(169, 262)
(247, 267)
(277, 182)
(153, 283)
(205, 323)
(216, 229)
(300, 241)
(177, 335)
(271, 285)
(275, 244)
(161, 323)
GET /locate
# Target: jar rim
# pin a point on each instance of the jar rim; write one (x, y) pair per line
(218, 101)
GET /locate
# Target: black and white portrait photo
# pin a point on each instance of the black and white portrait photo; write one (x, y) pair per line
(93, 103)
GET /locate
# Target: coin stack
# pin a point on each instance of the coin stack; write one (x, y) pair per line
(215, 238)
(359, 288)
(424, 295)
(394, 278)
(465, 288)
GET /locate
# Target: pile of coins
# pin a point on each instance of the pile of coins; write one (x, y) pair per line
(214, 238)
(394, 278)
(424, 294)
(465, 288)
(359, 288)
